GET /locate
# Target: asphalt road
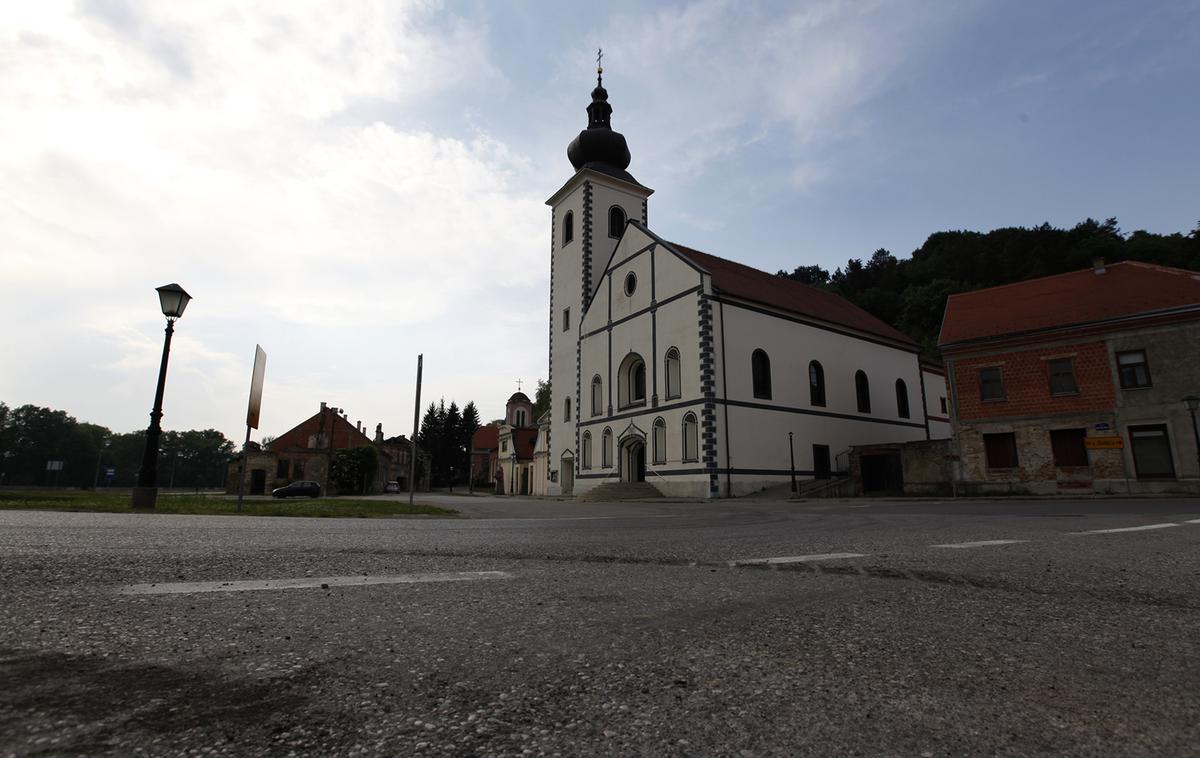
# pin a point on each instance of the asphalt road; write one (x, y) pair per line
(739, 628)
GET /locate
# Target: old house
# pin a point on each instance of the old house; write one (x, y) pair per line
(1077, 382)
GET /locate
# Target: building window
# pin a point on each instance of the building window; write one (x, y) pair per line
(816, 384)
(691, 438)
(991, 384)
(567, 409)
(821, 464)
(1001, 450)
(631, 385)
(862, 389)
(1062, 377)
(1151, 452)
(1069, 447)
(660, 441)
(760, 369)
(568, 227)
(597, 395)
(616, 222)
(606, 448)
(671, 371)
(1134, 371)
(945, 409)
(281, 469)
(587, 450)
(566, 319)
(630, 283)
(519, 417)
(902, 399)
(297, 469)
(504, 446)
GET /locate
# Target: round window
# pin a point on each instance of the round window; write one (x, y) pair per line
(630, 283)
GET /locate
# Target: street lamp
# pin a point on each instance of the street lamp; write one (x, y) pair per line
(173, 300)
(1192, 402)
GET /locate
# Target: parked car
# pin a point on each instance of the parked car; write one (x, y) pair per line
(309, 489)
(391, 488)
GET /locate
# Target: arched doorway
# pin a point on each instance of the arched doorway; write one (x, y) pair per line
(633, 461)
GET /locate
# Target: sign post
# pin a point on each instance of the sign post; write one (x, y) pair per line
(412, 474)
(252, 413)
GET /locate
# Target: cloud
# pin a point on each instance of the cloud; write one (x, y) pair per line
(210, 144)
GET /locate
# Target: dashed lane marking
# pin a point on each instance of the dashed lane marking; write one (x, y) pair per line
(980, 543)
(1143, 528)
(795, 559)
(308, 582)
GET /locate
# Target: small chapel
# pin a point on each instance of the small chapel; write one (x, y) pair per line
(697, 375)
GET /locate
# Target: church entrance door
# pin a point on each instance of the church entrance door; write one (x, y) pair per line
(566, 470)
(634, 465)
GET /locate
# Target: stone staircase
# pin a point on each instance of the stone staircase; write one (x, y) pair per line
(620, 491)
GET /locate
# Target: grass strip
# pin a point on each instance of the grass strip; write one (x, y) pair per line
(209, 505)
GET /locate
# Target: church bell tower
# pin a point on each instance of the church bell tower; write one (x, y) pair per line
(588, 217)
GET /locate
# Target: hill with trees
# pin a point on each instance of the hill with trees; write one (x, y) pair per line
(911, 293)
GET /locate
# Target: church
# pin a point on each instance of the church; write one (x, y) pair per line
(698, 375)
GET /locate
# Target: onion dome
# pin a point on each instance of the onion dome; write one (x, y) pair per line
(598, 146)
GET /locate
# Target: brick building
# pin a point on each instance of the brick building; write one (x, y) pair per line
(1075, 383)
(304, 452)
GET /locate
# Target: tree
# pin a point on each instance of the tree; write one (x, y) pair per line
(541, 400)
(812, 275)
(352, 471)
(470, 424)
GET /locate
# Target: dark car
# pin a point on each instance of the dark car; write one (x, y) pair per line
(391, 488)
(309, 489)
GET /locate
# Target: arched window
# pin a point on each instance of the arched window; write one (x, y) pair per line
(816, 384)
(567, 409)
(606, 448)
(519, 417)
(862, 388)
(587, 449)
(760, 366)
(568, 227)
(902, 398)
(660, 440)
(631, 381)
(616, 221)
(597, 395)
(691, 438)
(671, 372)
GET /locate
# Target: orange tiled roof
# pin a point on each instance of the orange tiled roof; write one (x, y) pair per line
(1082, 297)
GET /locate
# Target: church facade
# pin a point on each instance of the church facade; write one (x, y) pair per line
(699, 375)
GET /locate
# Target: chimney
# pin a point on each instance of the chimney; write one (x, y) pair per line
(1098, 266)
(379, 433)
(358, 426)
(323, 406)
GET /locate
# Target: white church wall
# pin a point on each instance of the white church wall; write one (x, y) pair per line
(758, 428)
(566, 292)
(935, 395)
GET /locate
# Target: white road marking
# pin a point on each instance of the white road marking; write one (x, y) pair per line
(1192, 521)
(1129, 529)
(308, 582)
(795, 559)
(980, 543)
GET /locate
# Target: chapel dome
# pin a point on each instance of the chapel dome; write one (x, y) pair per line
(519, 397)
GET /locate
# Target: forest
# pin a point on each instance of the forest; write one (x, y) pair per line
(911, 293)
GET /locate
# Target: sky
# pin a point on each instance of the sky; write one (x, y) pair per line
(353, 184)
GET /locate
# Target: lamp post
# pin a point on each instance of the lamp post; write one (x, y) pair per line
(1192, 402)
(173, 300)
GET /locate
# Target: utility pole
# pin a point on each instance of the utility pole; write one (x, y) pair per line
(792, 457)
(412, 475)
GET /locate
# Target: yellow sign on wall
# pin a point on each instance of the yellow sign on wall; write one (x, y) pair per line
(1111, 442)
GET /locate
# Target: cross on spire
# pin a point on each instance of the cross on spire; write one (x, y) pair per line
(519, 385)
(599, 66)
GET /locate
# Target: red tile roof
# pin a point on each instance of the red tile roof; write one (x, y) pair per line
(485, 438)
(524, 441)
(748, 283)
(1076, 298)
